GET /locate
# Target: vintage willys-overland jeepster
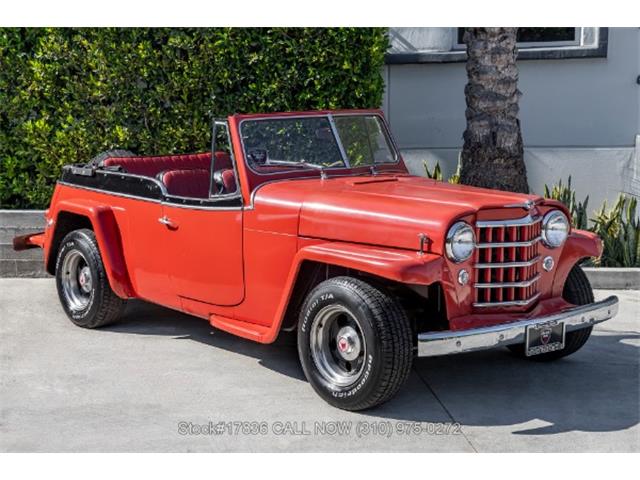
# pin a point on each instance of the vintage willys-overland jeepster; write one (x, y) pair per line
(311, 221)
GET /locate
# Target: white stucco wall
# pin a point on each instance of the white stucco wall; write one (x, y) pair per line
(600, 173)
(579, 117)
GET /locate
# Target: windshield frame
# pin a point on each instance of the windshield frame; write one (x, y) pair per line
(330, 117)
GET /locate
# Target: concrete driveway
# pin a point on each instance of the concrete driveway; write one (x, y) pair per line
(162, 381)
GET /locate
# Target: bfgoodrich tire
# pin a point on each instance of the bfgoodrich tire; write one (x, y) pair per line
(577, 290)
(82, 283)
(355, 343)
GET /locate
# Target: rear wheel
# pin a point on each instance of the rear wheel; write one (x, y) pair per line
(355, 343)
(577, 290)
(82, 283)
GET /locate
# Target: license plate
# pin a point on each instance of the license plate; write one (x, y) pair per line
(547, 337)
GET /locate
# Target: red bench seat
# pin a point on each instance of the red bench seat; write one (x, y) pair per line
(151, 166)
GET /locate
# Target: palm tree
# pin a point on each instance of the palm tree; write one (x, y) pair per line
(492, 155)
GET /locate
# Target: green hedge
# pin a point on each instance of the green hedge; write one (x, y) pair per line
(67, 94)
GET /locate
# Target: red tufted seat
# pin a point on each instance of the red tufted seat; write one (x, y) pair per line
(187, 182)
(151, 166)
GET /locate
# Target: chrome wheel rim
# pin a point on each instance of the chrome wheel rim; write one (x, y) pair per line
(338, 348)
(77, 281)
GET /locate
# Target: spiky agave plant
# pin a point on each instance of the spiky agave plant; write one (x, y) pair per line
(566, 195)
(619, 229)
(436, 173)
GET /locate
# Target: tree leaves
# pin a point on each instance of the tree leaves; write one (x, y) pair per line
(67, 94)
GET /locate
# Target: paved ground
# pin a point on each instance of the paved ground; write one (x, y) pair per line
(129, 387)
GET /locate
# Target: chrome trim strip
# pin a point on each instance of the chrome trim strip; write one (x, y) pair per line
(528, 205)
(509, 303)
(526, 283)
(443, 343)
(146, 199)
(200, 207)
(508, 264)
(213, 198)
(509, 244)
(517, 222)
(108, 192)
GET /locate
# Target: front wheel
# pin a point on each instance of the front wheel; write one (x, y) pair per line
(577, 290)
(355, 343)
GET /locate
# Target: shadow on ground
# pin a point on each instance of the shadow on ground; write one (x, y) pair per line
(595, 390)
(142, 318)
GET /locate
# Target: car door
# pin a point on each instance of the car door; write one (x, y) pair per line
(203, 231)
(144, 247)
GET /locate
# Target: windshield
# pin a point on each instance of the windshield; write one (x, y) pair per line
(274, 145)
(364, 140)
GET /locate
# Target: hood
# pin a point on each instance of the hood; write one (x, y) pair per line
(389, 210)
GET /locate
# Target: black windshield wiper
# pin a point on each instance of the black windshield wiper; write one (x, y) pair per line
(300, 163)
(294, 163)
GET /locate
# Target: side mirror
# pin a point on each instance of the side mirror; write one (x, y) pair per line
(257, 156)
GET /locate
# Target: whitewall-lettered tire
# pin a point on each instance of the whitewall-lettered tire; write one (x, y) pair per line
(82, 283)
(355, 343)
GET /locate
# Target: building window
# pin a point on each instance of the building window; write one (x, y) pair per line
(531, 37)
(444, 44)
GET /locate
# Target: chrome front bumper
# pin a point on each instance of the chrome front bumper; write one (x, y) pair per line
(445, 343)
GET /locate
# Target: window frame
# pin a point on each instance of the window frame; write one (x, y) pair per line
(594, 43)
(576, 42)
(330, 117)
(214, 196)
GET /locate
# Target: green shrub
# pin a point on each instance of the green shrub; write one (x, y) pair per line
(436, 174)
(566, 195)
(619, 229)
(67, 94)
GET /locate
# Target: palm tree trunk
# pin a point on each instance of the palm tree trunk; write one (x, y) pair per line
(492, 155)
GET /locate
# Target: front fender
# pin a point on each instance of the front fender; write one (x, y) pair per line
(580, 244)
(107, 232)
(396, 265)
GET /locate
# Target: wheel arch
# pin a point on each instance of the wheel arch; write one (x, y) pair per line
(580, 245)
(70, 216)
(388, 268)
(65, 223)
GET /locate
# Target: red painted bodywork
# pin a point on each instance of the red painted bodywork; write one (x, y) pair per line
(237, 267)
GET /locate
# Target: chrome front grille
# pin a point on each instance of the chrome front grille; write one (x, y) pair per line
(507, 262)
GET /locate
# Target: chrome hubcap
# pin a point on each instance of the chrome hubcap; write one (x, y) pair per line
(84, 279)
(77, 283)
(348, 343)
(338, 348)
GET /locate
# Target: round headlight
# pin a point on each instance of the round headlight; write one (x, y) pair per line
(555, 228)
(461, 240)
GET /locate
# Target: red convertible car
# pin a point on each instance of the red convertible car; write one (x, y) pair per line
(310, 221)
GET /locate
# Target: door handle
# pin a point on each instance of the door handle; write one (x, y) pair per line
(168, 222)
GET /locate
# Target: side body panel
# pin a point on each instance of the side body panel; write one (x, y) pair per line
(203, 255)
